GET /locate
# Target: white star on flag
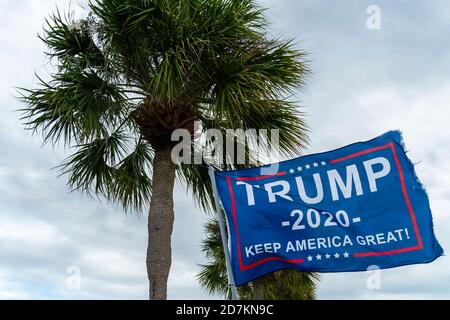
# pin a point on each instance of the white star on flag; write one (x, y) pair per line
(291, 170)
(309, 258)
(346, 254)
(319, 257)
(307, 166)
(315, 164)
(336, 255)
(299, 168)
(327, 256)
(323, 163)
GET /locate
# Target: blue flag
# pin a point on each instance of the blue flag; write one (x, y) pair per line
(343, 210)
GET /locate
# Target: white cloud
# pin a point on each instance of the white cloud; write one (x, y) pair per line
(30, 232)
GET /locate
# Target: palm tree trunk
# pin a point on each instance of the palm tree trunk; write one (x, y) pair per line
(258, 289)
(160, 224)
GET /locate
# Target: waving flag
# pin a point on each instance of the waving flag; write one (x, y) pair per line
(343, 210)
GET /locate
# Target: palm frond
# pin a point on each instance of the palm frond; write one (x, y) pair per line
(74, 106)
(91, 167)
(70, 42)
(132, 184)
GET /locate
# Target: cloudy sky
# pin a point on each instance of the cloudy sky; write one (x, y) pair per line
(365, 82)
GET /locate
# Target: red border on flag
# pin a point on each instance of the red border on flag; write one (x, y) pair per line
(389, 145)
(405, 196)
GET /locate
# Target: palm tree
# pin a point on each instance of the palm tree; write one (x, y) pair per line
(132, 72)
(280, 285)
